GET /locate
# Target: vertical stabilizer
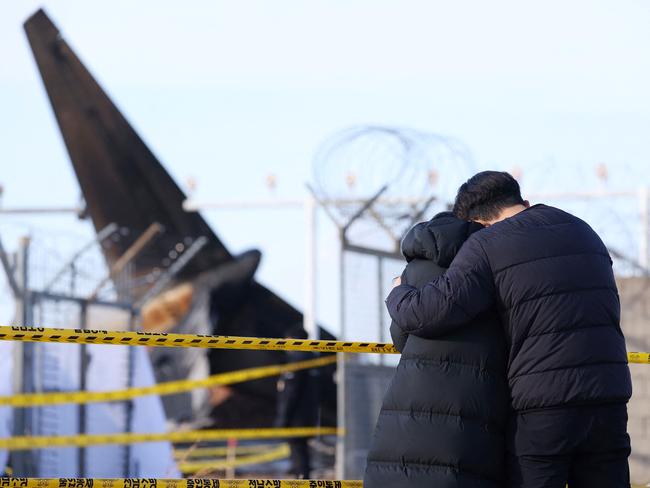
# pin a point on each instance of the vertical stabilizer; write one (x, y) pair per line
(121, 179)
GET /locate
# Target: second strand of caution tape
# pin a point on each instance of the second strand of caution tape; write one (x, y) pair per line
(168, 388)
(83, 440)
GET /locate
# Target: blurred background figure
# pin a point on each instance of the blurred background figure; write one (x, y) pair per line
(298, 404)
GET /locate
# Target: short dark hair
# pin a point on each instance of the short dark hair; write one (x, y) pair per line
(485, 194)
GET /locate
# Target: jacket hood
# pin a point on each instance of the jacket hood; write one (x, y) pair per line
(438, 240)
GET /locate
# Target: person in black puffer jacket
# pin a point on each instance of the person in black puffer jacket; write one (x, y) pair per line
(298, 402)
(550, 277)
(443, 420)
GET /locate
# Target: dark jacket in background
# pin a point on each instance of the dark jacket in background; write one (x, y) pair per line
(550, 276)
(443, 420)
(298, 396)
(298, 406)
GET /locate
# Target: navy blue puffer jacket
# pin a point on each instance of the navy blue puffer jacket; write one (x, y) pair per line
(550, 276)
(442, 423)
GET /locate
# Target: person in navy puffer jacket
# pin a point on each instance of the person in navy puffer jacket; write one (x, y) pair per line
(550, 277)
(443, 420)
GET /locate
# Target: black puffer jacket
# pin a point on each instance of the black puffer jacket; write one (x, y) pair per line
(443, 418)
(550, 276)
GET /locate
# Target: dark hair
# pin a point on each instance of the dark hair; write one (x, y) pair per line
(485, 194)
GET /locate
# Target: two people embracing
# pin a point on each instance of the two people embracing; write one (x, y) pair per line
(514, 368)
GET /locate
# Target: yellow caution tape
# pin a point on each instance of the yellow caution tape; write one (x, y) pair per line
(639, 357)
(84, 440)
(160, 339)
(168, 388)
(280, 452)
(206, 452)
(169, 483)
(179, 483)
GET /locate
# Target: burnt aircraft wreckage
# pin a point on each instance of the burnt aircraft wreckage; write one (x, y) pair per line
(213, 291)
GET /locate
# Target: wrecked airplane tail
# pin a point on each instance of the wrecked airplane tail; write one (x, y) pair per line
(113, 164)
(212, 291)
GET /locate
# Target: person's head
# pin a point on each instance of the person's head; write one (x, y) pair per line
(488, 197)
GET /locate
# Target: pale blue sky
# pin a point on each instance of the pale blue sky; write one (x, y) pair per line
(228, 92)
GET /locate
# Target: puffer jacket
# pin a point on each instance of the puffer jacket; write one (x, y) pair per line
(550, 276)
(442, 423)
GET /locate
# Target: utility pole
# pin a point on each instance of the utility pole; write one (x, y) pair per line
(309, 312)
(644, 206)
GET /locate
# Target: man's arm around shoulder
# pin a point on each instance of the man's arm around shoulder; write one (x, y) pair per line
(451, 300)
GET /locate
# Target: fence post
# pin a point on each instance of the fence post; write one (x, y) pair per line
(23, 461)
